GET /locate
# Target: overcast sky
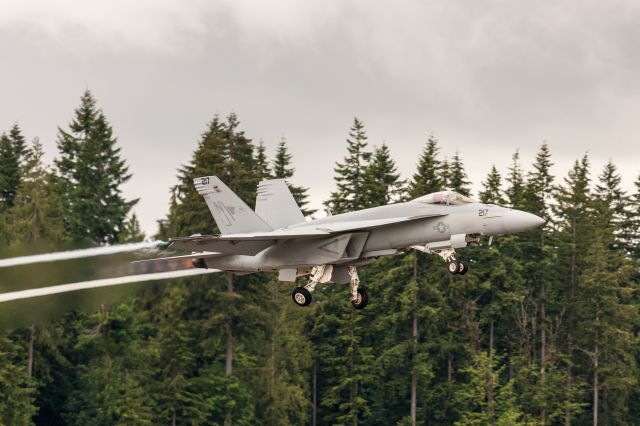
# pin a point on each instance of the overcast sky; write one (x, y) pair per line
(486, 78)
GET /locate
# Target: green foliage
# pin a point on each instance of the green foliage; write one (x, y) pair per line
(9, 172)
(17, 389)
(131, 231)
(492, 188)
(223, 151)
(382, 183)
(541, 320)
(486, 378)
(350, 177)
(515, 179)
(457, 177)
(428, 177)
(91, 173)
(283, 169)
(38, 208)
(263, 170)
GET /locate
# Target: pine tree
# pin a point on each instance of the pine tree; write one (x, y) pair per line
(282, 169)
(91, 174)
(538, 189)
(188, 214)
(18, 140)
(17, 390)
(12, 151)
(349, 194)
(608, 190)
(631, 229)
(223, 151)
(115, 365)
(382, 183)
(536, 197)
(492, 188)
(38, 208)
(263, 170)
(606, 317)
(226, 152)
(428, 177)
(515, 190)
(458, 177)
(575, 221)
(445, 173)
(131, 231)
(238, 171)
(9, 172)
(347, 364)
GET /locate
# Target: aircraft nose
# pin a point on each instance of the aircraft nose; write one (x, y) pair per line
(519, 221)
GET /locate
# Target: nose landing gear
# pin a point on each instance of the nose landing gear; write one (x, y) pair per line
(457, 267)
(454, 266)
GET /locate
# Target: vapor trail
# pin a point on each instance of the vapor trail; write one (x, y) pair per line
(75, 254)
(64, 288)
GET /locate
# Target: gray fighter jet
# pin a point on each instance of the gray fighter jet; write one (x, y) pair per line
(277, 237)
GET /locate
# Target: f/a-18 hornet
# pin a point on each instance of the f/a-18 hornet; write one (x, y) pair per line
(277, 237)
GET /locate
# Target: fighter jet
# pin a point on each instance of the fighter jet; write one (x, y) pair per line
(276, 236)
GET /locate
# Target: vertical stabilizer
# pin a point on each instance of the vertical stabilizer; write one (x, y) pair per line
(275, 204)
(232, 215)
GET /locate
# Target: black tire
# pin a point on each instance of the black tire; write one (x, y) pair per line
(301, 296)
(363, 299)
(453, 267)
(463, 267)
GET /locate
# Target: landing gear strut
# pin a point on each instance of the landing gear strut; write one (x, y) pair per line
(322, 274)
(359, 296)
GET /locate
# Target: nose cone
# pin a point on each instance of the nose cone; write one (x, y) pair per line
(519, 221)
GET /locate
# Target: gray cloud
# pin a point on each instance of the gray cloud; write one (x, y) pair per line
(485, 77)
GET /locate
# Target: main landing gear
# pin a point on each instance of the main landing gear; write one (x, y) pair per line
(454, 266)
(321, 274)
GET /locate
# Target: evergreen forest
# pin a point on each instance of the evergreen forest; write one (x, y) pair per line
(543, 330)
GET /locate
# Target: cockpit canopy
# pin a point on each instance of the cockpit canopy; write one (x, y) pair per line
(444, 197)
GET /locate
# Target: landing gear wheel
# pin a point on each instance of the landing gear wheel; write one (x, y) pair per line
(361, 300)
(454, 267)
(301, 296)
(463, 267)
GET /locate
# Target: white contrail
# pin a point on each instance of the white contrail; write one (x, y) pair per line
(64, 288)
(76, 254)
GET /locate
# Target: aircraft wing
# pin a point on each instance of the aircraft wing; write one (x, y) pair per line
(247, 244)
(253, 243)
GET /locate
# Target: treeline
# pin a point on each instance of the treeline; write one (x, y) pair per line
(80, 199)
(542, 330)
